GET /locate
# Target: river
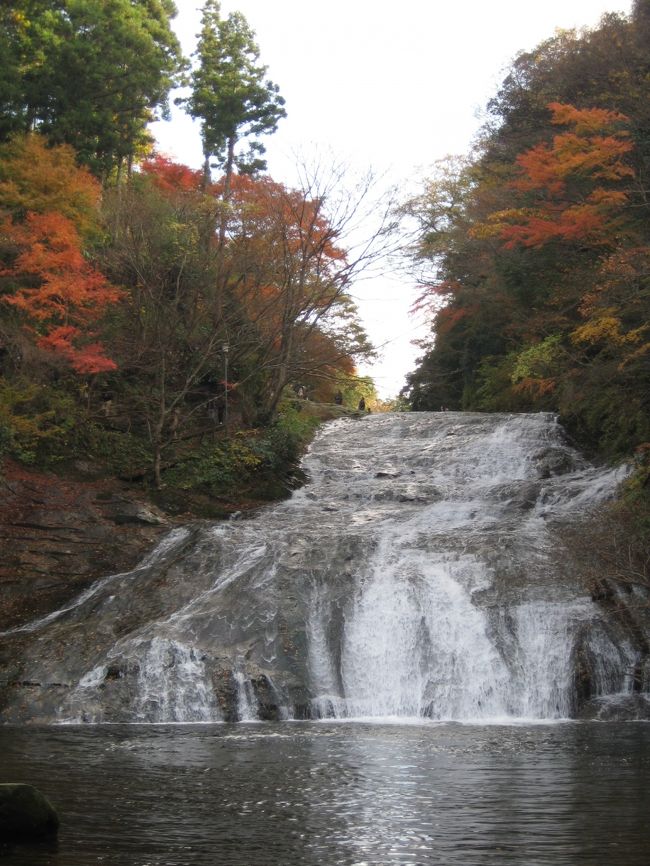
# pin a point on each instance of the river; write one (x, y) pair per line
(330, 793)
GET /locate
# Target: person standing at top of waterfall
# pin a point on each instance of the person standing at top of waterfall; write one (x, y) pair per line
(338, 398)
(362, 404)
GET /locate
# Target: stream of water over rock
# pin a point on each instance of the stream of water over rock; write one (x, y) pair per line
(416, 574)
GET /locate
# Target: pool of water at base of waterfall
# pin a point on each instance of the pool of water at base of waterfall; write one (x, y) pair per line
(322, 793)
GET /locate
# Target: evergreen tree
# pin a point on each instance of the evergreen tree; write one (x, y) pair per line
(230, 94)
(90, 73)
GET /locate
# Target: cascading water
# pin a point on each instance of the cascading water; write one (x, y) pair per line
(415, 575)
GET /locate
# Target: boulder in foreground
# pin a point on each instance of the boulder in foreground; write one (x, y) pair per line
(25, 814)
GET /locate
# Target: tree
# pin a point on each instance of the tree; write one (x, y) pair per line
(537, 251)
(59, 293)
(171, 177)
(12, 38)
(88, 73)
(276, 293)
(455, 267)
(230, 94)
(50, 211)
(290, 278)
(572, 187)
(168, 338)
(43, 179)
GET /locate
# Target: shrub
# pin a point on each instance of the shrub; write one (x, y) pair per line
(36, 421)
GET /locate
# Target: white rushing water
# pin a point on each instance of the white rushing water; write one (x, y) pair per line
(415, 575)
(457, 506)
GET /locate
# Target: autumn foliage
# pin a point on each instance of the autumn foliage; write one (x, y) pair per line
(50, 205)
(170, 176)
(572, 185)
(58, 292)
(534, 253)
(43, 179)
(148, 309)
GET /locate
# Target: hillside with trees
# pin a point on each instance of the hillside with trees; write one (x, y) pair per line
(164, 324)
(533, 252)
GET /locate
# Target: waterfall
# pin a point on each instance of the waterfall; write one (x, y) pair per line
(415, 575)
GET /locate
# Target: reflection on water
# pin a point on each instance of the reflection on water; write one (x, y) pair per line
(354, 794)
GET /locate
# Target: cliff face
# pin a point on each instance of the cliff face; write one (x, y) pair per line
(58, 535)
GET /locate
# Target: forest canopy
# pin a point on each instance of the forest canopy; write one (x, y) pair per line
(534, 251)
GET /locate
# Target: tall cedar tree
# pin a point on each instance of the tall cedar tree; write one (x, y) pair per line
(231, 95)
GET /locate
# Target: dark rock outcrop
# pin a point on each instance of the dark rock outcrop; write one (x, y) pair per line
(26, 815)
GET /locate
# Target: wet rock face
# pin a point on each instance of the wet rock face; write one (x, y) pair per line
(621, 707)
(413, 575)
(556, 460)
(59, 536)
(125, 511)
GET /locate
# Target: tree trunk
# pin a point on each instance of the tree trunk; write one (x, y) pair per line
(207, 176)
(227, 187)
(157, 465)
(267, 411)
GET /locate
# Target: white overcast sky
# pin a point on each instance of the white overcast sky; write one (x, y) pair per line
(382, 85)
